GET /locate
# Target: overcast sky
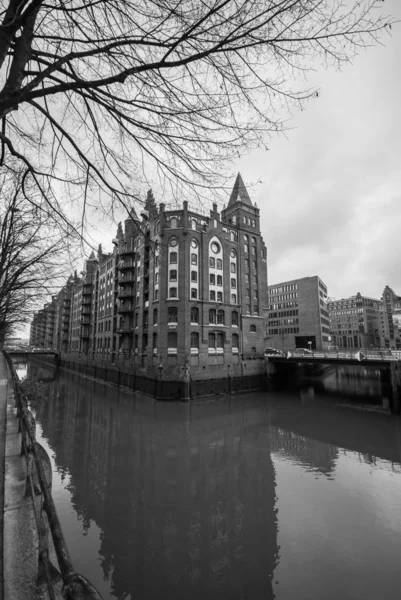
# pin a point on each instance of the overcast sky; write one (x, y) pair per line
(330, 197)
(330, 200)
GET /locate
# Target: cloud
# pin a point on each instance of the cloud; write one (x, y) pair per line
(331, 191)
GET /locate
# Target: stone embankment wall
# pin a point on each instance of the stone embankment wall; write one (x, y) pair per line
(184, 386)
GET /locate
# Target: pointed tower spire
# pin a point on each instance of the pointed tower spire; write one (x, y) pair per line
(239, 193)
(150, 201)
(92, 256)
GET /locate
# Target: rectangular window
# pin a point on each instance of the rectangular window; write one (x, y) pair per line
(219, 296)
(212, 262)
(219, 280)
(234, 298)
(219, 264)
(173, 275)
(246, 278)
(173, 292)
(213, 295)
(233, 268)
(194, 276)
(233, 283)
(212, 279)
(194, 259)
(173, 258)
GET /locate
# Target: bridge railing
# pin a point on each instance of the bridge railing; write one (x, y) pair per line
(39, 476)
(355, 354)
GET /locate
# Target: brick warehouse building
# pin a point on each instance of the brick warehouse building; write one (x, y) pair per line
(180, 288)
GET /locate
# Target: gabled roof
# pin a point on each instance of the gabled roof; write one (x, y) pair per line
(239, 193)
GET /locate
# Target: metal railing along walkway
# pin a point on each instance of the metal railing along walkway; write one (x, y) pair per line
(38, 485)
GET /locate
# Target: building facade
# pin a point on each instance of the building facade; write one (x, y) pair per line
(391, 320)
(298, 315)
(180, 288)
(355, 322)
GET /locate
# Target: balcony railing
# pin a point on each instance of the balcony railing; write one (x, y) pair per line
(128, 263)
(126, 292)
(128, 307)
(126, 278)
(126, 251)
(127, 329)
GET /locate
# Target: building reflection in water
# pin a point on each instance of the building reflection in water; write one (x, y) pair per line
(184, 495)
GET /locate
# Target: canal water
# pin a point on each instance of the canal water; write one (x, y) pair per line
(291, 494)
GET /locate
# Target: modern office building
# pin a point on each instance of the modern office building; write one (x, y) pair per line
(355, 322)
(180, 288)
(297, 314)
(391, 320)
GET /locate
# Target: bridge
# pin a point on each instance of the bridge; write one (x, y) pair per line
(27, 352)
(351, 357)
(389, 362)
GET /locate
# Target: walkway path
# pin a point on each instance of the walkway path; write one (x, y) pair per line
(3, 424)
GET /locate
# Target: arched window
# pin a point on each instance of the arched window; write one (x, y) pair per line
(155, 316)
(194, 276)
(193, 224)
(172, 293)
(246, 243)
(194, 340)
(220, 341)
(253, 240)
(252, 328)
(157, 227)
(212, 315)
(212, 341)
(154, 343)
(194, 293)
(234, 220)
(220, 317)
(235, 343)
(173, 275)
(173, 222)
(172, 342)
(194, 314)
(172, 314)
(234, 318)
(173, 258)
(194, 259)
